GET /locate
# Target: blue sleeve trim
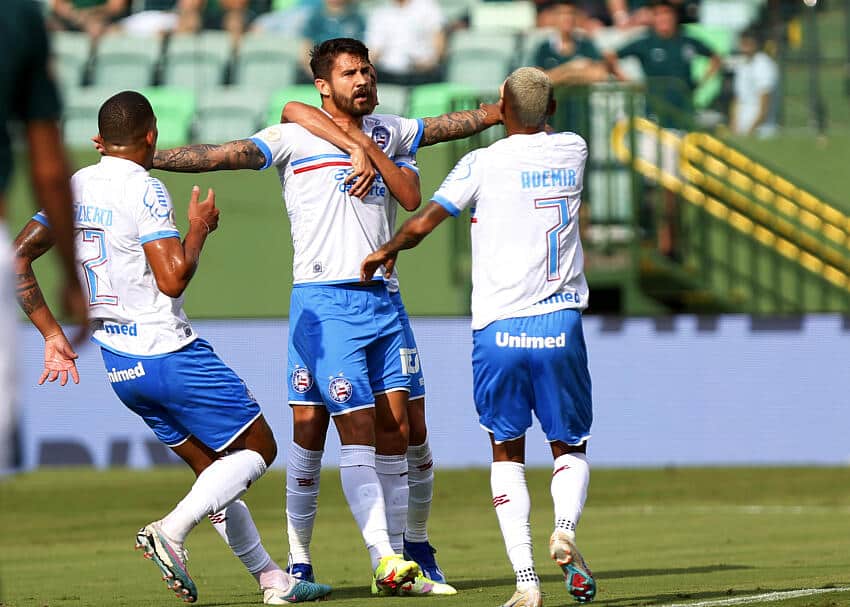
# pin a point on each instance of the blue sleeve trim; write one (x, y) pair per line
(264, 148)
(418, 139)
(407, 165)
(42, 220)
(158, 235)
(446, 204)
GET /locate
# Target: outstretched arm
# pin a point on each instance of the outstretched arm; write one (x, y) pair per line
(321, 125)
(203, 157)
(33, 242)
(457, 125)
(410, 234)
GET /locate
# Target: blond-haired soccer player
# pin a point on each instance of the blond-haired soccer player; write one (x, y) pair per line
(528, 292)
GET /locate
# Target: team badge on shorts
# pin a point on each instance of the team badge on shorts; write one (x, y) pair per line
(340, 389)
(301, 380)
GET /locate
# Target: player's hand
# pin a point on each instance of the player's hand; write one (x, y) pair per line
(205, 211)
(75, 306)
(59, 359)
(97, 140)
(374, 261)
(362, 173)
(493, 113)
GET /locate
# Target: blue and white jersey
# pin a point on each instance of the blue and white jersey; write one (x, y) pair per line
(524, 192)
(408, 162)
(332, 231)
(118, 207)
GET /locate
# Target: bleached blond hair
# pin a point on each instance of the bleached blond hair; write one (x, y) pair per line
(529, 92)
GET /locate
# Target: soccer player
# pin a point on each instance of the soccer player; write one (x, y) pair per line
(311, 419)
(346, 330)
(528, 293)
(136, 270)
(29, 94)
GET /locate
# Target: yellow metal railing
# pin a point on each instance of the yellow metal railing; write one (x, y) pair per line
(763, 213)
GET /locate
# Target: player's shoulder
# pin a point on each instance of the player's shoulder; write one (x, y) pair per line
(567, 140)
(286, 131)
(390, 121)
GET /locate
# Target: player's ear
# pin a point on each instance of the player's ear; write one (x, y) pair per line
(323, 86)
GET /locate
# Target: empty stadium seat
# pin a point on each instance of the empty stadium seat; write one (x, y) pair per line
(495, 41)
(198, 60)
(79, 123)
(123, 61)
(72, 51)
(174, 108)
(435, 99)
(481, 70)
(228, 113)
(392, 99)
(519, 15)
(266, 61)
(305, 93)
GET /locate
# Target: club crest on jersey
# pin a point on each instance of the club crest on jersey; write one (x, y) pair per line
(340, 389)
(381, 136)
(301, 380)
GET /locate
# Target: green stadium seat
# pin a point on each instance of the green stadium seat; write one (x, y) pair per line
(305, 93)
(174, 108)
(79, 123)
(456, 9)
(721, 40)
(267, 62)
(481, 70)
(123, 61)
(227, 114)
(493, 41)
(435, 99)
(392, 99)
(198, 60)
(72, 51)
(518, 16)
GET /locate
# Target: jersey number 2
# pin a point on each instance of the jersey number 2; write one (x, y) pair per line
(96, 279)
(553, 235)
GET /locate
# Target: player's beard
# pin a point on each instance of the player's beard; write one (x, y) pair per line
(352, 107)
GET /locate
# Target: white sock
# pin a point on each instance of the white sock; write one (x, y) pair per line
(224, 481)
(365, 499)
(392, 472)
(570, 479)
(303, 472)
(513, 509)
(236, 527)
(420, 480)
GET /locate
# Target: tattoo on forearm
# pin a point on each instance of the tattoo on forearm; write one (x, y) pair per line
(29, 293)
(241, 154)
(455, 125)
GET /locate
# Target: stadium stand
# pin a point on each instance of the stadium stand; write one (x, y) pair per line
(518, 16)
(126, 62)
(305, 93)
(80, 118)
(72, 51)
(175, 110)
(227, 113)
(198, 60)
(266, 61)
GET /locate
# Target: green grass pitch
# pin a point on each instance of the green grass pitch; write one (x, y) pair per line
(653, 537)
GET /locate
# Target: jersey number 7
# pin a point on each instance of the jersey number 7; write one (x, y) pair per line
(553, 235)
(94, 242)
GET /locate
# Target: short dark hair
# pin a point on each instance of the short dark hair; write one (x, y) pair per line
(125, 118)
(323, 55)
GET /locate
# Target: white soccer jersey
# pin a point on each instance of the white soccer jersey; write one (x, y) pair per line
(525, 193)
(407, 162)
(331, 231)
(118, 207)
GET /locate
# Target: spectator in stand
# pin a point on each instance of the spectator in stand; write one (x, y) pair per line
(156, 17)
(756, 79)
(233, 16)
(666, 55)
(287, 17)
(331, 19)
(626, 14)
(406, 41)
(90, 16)
(569, 57)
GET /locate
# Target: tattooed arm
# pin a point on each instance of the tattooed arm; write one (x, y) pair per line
(33, 242)
(457, 125)
(203, 157)
(408, 236)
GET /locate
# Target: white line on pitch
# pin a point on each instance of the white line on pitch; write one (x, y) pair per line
(713, 509)
(760, 598)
